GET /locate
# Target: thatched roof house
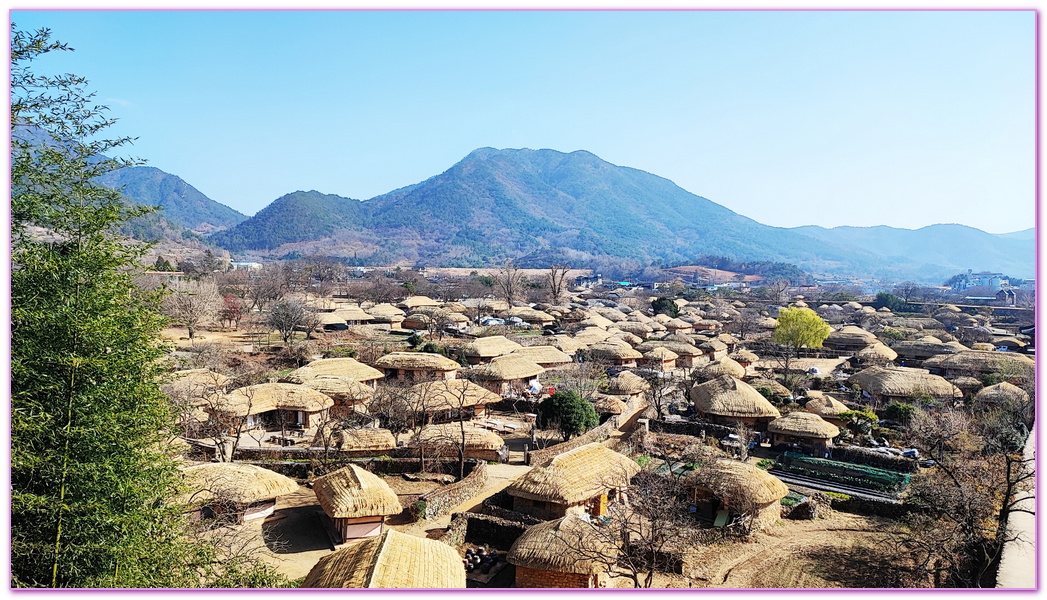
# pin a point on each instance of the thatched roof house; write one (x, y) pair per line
(849, 339)
(565, 343)
(727, 487)
(598, 321)
(347, 369)
(390, 560)
(385, 310)
(558, 554)
(688, 353)
(620, 354)
(530, 315)
(357, 501)
(412, 302)
(876, 354)
(417, 365)
(247, 491)
(547, 357)
(723, 366)
(580, 480)
(914, 351)
(444, 400)
(353, 315)
(884, 384)
(730, 400)
(825, 406)
(444, 440)
(626, 384)
(274, 405)
(486, 348)
(772, 387)
(803, 429)
(980, 363)
(606, 404)
(505, 373)
(195, 386)
(660, 358)
(743, 357)
(591, 335)
(345, 392)
(1002, 394)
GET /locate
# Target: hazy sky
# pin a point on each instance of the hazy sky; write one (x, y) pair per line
(790, 118)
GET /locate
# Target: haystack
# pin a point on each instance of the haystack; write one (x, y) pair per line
(390, 560)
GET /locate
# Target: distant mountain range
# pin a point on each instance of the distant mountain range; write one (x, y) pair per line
(540, 206)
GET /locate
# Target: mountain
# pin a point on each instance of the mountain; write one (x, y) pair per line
(947, 249)
(182, 204)
(296, 217)
(541, 206)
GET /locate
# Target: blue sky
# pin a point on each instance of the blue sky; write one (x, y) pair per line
(791, 118)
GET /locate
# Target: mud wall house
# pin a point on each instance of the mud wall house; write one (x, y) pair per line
(386, 316)
(389, 560)
(616, 353)
(727, 400)
(883, 385)
(979, 363)
(583, 480)
(445, 439)
(240, 491)
(357, 502)
(504, 374)
(661, 359)
(485, 349)
(723, 490)
(714, 349)
(273, 406)
(355, 442)
(353, 315)
(626, 386)
(743, 357)
(804, 431)
(826, 407)
(688, 354)
(417, 366)
(562, 554)
(449, 400)
(849, 339)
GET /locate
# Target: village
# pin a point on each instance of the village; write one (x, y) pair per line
(539, 428)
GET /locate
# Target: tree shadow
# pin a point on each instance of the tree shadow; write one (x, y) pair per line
(872, 566)
(299, 531)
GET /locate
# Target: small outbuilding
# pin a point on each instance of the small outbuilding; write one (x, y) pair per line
(728, 400)
(245, 492)
(389, 560)
(357, 502)
(559, 554)
(803, 431)
(505, 374)
(417, 366)
(724, 490)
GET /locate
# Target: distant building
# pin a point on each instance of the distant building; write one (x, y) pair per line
(993, 281)
(250, 266)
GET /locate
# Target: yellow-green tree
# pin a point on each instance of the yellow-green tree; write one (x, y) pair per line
(799, 328)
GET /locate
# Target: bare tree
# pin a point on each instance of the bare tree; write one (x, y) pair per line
(557, 280)
(266, 287)
(290, 315)
(510, 282)
(778, 289)
(662, 390)
(192, 303)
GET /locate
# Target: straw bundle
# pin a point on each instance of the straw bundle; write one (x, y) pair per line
(804, 424)
(352, 492)
(565, 545)
(824, 405)
(576, 476)
(490, 347)
(903, 382)
(235, 482)
(416, 361)
(737, 481)
(368, 439)
(449, 394)
(542, 355)
(265, 397)
(348, 368)
(728, 397)
(390, 560)
(507, 368)
(449, 435)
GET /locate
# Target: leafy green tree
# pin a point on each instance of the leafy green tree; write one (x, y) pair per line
(798, 328)
(92, 474)
(859, 422)
(665, 306)
(568, 412)
(899, 411)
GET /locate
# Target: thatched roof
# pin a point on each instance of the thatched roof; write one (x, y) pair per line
(877, 353)
(264, 397)
(416, 301)
(235, 482)
(367, 439)
(823, 404)
(850, 337)
(196, 386)
(611, 314)
(966, 382)
(778, 390)
(507, 368)
(903, 381)
(737, 481)
(385, 310)
(596, 320)
(626, 383)
(390, 560)
(613, 351)
(729, 397)
(678, 324)
(576, 475)
(336, 367)
(713, 345)
(542, 355)
(980, 361)
(660, 354)
(416, 361)
(565, 545)
(352, 492)
(352, 313)
(342, 389)
(743, 356)
(723, 366)
(607, 404)
(1002, 393)
(636, 328)
(449, 394)
(565, 343)
(489, 347)
(804, 424)
(677, 347)
(531, 315)
(591, 335)
(449, 435)
(625, 336)
(924, 347)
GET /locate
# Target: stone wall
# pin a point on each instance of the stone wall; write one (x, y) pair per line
(862, 506)
(500, 505)
(484, 530)
(691, 428)
(596, 434)
(442, 500)
(865, 456)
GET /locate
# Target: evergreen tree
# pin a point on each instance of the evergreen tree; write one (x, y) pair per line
(568, 412)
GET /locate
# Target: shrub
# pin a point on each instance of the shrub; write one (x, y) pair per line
(765, 464)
